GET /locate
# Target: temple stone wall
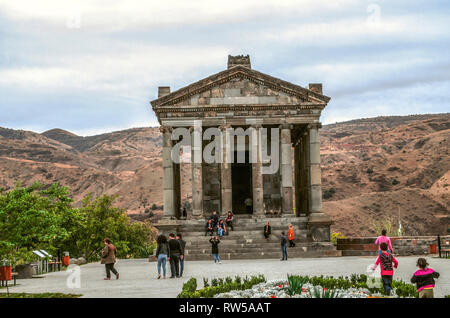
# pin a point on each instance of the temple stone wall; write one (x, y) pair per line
(211, 188)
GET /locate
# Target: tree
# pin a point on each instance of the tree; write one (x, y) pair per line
(100, 220)
(34, 218)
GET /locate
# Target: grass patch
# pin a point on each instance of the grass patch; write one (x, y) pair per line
(39, 295)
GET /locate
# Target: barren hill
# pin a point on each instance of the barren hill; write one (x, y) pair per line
(372, 168)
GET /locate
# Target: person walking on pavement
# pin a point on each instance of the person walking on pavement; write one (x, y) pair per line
(183, 246)
(108, 258)
(174, 255)
(284, 241)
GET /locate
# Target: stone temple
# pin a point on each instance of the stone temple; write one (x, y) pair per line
(241, 97)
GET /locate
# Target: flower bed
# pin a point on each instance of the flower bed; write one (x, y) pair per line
(354, 286)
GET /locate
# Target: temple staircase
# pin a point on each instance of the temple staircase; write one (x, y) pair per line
(247, 240)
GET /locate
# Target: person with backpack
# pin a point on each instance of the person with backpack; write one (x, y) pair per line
(108, 258)
(175, 252)
(162, 251)
(183, 246)
(215, 249)
(387, 263)
(424, 279)
(284, 241)
(384, 239)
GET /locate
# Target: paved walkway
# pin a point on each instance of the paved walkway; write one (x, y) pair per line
(138, 277)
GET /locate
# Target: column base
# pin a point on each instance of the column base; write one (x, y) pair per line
(319, 227)
(168, 224)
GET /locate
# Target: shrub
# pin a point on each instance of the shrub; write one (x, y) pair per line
(395, 182)
(329, 193)
(323, 293)
(295, 284)
(335, 236)
(218, 286)
(190, 286)
(369, 170)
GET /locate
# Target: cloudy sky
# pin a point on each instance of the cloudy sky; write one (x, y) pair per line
(93, 66)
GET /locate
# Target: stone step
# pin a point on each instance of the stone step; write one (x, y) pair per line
(266, 255)
(233, 244)
(249, 234)
(256, 250)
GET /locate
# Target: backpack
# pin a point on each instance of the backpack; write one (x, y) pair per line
(386, 261)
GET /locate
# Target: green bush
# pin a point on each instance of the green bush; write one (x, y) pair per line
(369, 170)
(323, 293)
(295, 284)
(395, 182)
(218, 286)
(335, 236)
(329, 193)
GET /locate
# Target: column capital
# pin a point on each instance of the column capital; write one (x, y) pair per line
(314, 126)
(224, 127)
(195, 128)
(165, 129)
(256, 126)
(285, 126)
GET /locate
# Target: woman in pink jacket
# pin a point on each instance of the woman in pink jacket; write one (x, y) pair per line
(383, 239)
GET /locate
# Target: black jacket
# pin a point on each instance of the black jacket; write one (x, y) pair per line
(162, 249)
(284, 240)
(183, 245)
(269, 230)
(174, 247)
(214, 246)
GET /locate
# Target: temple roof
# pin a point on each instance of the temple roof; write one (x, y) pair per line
(244, 72)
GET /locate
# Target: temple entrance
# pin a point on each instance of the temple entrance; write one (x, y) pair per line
(241, 178)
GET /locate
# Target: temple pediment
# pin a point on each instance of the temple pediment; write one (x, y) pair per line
(239, 85)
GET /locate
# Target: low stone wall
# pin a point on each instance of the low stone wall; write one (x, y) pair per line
(403, 246)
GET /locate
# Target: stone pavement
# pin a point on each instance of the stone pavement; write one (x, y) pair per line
(138, 277)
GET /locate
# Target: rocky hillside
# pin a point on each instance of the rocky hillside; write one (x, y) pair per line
(372, 169)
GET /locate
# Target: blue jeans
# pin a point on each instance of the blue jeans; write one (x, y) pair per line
(216, 258)
(181, 266)
(220, 231)
(162, 260)
(284, 251)
(387, 283)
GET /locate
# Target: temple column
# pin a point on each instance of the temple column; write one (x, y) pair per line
(257, 179)
(319, 222)
(169, 194)
(286, 168)
(197, 180)
(226, 183)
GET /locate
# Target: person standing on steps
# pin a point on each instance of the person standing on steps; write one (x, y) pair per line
(384, 239)
(248, 205)
(108, 258)
(291, 236)
(267, 230)
(284, 241)
(162, 251)
(229, 220)
(215, 249)
(183, 246)
(174, 255)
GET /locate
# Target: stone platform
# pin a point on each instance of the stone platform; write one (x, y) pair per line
(247, 240)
